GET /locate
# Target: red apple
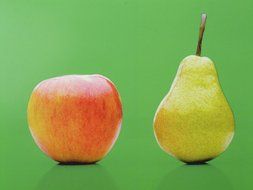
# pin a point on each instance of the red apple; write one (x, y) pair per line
(75, 118)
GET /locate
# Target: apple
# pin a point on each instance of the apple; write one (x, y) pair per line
(75, 118)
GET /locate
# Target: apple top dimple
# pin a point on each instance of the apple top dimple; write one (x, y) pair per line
(74, 85)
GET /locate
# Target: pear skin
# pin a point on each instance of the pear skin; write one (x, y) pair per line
(194, 121)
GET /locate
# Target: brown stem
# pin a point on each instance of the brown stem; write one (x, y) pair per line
(201, 33)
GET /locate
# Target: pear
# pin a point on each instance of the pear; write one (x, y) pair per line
(194, 122)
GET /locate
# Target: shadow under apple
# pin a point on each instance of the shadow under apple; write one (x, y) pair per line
(76, 177)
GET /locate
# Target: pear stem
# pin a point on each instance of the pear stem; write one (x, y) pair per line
(201, 33)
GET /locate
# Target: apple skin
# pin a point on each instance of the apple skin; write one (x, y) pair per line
(75, 118)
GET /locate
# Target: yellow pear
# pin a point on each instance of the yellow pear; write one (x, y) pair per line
(194, 121)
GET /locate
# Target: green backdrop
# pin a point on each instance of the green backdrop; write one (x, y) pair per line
(138, 44)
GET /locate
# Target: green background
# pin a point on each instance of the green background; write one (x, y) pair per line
(138, 44)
